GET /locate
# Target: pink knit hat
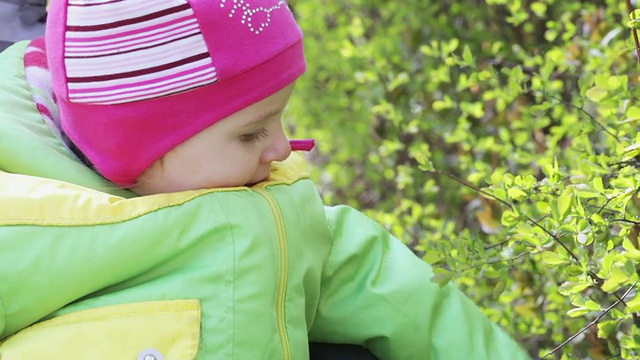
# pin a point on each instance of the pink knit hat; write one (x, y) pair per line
(135, 78)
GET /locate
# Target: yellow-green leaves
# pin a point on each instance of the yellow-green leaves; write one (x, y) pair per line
(633, 113)
(617, 270)
(583, 305)
(606, 87)
(631, 252)
(532, 106)
(554, 259)
(634, 23)
(564, 202)
(597, 93)
(516, 194)
(633, 306)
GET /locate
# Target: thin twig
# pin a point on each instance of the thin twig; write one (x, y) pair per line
(633, 162)
(473, 187)
(554, 237)
(607, 203)
(585, 112)
(599, 281)
(489, 247)
(625, 221)
(497, 261)
(595, 321)
(464, 183)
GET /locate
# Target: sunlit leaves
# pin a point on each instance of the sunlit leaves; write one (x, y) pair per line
(499, 141)
(554, 259)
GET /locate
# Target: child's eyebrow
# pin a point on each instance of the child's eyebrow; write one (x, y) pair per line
(262, 117)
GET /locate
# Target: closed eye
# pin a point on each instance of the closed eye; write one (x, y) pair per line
(255, 136)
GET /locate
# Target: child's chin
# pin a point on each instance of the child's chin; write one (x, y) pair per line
(258, 180)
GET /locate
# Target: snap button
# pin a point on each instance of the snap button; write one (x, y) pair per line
(150, 354)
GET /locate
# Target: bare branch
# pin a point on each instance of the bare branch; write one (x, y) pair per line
(585, 112)
(498, 261)
(625, 221)
(473, 187)
(489, 247)
(595, 321)
(554, 237)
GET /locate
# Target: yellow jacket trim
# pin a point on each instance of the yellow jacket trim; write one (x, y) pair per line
(57, 203)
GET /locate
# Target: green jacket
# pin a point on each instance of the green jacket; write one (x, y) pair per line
(91, 272)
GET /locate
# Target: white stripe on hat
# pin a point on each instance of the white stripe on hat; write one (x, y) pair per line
(123, 51)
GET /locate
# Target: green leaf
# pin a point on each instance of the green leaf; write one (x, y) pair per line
(500, 194)
(606, 327)
(553, 259)
(598, 220)
(399, 80)
(597, 184)
(574, 270)
(633, 112)
(569, 287)
(432, 257)
(579, 311)
(616, 278)
(592, 305)
(586, 79)
(565, 200)
(509, 218)
(597, 93)
(633, 306)
(628, 342)
(499, 288)
(496, 179)
(583, 226)
(631, 251)
(578, 300)
(467, 56)
(427, 166)
(539, 8)
(527, 238)
(442, 276)
(516, 194)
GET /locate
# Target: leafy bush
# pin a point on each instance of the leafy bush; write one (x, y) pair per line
(499, 138)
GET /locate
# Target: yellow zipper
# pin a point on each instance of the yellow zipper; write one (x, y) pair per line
(283, 269)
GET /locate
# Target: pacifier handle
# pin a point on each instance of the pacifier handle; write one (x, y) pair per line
(302, 145)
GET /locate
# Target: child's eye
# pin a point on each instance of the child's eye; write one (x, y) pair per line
(255, 136)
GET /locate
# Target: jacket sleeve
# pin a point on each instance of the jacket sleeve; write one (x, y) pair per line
(376, 292)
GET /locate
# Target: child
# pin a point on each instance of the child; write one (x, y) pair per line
(223, 249)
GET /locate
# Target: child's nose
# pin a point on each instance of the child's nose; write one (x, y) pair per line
(279, 150)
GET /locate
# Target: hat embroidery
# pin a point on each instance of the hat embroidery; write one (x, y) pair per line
(124, 51)
(249, 14)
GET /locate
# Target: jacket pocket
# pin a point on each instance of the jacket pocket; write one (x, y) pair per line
(159, 330)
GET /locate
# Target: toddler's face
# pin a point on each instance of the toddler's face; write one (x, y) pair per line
(236, 151)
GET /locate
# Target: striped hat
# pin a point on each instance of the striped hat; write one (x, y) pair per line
(135, 78)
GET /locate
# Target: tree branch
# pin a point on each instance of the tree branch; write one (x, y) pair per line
(625, 221)
(497, 261)
(473, 187)
(595, 321)
(585, 112)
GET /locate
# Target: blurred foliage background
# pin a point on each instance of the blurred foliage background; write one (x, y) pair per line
(499, 139)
